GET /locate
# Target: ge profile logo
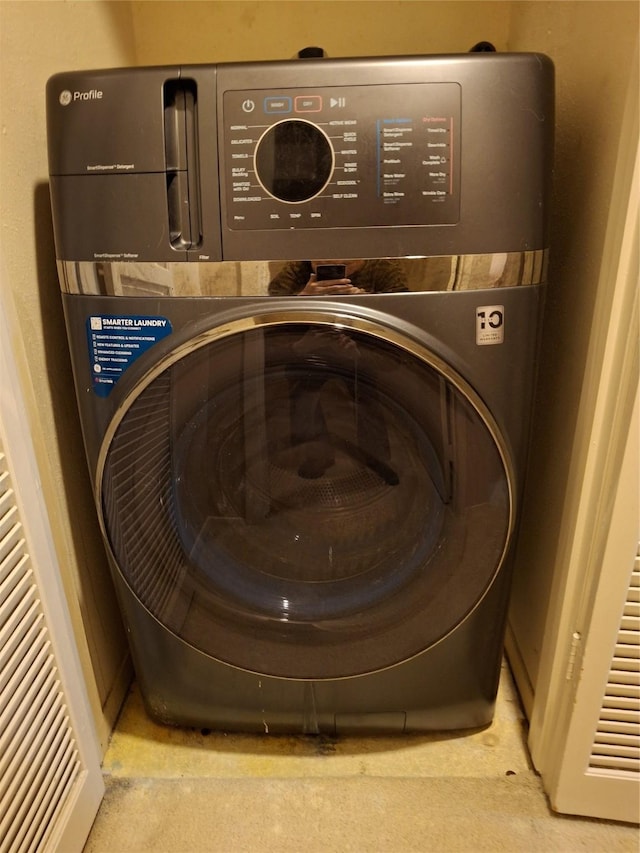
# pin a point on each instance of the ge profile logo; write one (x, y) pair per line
(66, 97)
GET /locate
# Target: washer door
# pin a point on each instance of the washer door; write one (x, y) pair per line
(309, 497)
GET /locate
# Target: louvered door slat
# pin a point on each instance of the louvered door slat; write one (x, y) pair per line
(609, 739)
(617, 749)
(626, 653)
(608, 715)
(629, 638)
(620, 764)
(625, 676)
(619, 703)
(617, 690)
(617, 727)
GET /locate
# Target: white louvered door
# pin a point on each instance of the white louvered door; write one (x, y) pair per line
(50, 779)
(616, 745)
(598, 772)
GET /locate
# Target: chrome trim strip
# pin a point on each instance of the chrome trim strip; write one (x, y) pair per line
(424, 274)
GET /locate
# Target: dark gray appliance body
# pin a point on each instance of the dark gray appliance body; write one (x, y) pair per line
(369, 593)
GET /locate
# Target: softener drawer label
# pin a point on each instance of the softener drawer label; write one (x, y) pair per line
(115, 342)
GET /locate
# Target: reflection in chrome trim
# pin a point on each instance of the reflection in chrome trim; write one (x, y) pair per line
(252, 278)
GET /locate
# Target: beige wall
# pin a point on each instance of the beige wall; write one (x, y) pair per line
(591, 44)
(228, 31)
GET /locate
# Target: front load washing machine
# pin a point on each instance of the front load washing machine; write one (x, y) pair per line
(303, 304)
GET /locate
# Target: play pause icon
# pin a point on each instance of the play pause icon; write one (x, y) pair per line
(338, 102)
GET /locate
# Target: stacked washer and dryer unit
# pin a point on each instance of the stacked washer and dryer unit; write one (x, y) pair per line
(264, 591)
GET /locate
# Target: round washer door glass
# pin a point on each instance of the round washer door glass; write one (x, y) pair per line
(306, 499)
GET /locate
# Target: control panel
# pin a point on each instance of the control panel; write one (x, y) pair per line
(298, 159)
(346, 156)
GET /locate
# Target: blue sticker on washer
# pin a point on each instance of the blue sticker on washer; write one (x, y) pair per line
(115, 342)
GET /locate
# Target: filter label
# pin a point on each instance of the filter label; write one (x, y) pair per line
(115, 342)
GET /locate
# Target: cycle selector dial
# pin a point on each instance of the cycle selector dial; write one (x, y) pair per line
(294, 160)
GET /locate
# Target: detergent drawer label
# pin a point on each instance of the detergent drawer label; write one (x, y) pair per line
(116, 341)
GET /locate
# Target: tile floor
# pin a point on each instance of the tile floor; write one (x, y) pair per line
(181, 791)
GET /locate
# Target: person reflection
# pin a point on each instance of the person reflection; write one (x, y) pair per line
(324, 354)
(300, 278)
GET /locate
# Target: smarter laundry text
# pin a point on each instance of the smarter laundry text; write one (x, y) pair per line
(136, 322)
(116, 342)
